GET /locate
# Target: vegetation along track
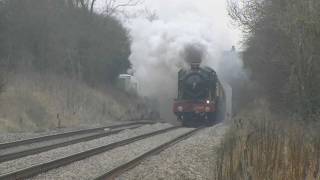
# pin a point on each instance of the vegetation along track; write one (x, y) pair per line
(89, 134)
(131, 164)
(41, 168)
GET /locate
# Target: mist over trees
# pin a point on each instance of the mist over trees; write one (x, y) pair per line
(277, 135)
(64, 37)
(282, 51)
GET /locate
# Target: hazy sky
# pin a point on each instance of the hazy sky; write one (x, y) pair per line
(213, 11)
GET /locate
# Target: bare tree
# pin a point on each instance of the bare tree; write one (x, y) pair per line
(283, 38)
(150, 15)
(3, 77)
(246, 13)
(113, 6)
(87, 5)
(92, 5)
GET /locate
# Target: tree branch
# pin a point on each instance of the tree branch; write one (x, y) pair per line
(92, 6)
(112, 6)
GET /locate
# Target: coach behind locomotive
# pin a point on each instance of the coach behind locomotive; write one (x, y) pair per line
(201, 97)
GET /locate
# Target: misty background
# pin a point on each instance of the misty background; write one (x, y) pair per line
(61, 59)
(60, 62)
(159, 37)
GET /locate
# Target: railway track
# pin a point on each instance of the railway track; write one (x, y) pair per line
(46, 166)
(63, 135)
(131, 164)
(12, 154)
(43, 167)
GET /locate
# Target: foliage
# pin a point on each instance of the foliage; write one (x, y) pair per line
(282, 56)
(282, 51)
(266, 147)
(62, 37)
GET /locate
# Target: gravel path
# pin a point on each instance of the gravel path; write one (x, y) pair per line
(190, 159)
(76, 148)
(94, 166)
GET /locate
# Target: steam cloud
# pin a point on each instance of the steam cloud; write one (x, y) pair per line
(163, 46)
(193, 53)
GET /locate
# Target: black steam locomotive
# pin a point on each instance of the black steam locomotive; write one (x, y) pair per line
(201, 97)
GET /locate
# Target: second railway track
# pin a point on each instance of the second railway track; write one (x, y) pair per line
(12, 152)
(62, 135)
(43, 167)
(112, 174)
(36, 169)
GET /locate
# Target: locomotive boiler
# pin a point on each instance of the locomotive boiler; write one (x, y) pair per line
(201, 97)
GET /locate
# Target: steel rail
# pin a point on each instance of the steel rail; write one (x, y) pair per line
(32, 151)
(40, 168)
(133, 163)
(63, 135)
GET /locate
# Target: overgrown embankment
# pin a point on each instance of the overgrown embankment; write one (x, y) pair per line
(262, 146)
(32, 102)
(59, 64)
(279, 139)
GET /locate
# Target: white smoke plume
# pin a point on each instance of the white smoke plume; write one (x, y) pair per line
(158, 46)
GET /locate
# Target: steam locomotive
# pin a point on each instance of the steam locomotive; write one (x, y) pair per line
(201, 97)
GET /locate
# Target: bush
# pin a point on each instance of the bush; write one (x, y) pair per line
(263, 147)
(57, 37)
(282, 51)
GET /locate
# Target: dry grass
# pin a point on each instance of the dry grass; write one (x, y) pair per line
(261, 147)
(32, 102)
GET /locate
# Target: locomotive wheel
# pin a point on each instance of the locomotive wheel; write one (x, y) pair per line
(189, 123)
(212, 119)
(192, 121)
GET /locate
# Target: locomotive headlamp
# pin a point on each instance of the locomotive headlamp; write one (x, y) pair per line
(208, 102)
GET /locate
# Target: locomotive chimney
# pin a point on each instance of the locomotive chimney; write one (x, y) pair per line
(195, 65)
(193, 54)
